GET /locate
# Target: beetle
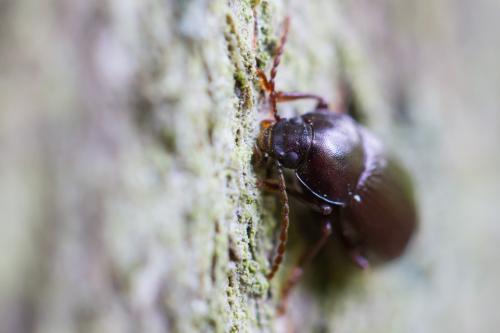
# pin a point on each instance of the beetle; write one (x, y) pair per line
(343, 171)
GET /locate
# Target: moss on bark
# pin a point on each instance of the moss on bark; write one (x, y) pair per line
(127, 135)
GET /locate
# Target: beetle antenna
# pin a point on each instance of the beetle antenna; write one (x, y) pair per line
(285, 222)
(276, 62)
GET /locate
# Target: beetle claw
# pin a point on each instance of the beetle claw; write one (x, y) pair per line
(359, 259)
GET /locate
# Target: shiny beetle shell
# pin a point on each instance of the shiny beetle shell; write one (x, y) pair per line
(343, 164)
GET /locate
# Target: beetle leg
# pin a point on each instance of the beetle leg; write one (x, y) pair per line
(351, 241)
(285, 222)
(293, 96)
(358, 258)
(264, 83)
(298, 270)
(276, 62)
(320, 207)
(266, 86)
(272, 186)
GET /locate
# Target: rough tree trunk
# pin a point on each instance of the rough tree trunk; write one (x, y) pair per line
(128, 198)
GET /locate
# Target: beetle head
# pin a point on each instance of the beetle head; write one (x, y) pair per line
(287, 141)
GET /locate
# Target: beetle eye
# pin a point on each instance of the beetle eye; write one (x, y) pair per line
(291, 159)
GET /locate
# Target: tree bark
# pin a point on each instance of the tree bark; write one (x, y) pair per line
(128, 195)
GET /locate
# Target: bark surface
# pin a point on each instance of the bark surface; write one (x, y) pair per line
(127, 195)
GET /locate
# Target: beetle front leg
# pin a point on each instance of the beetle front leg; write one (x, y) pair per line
(307, 257)
(320, 207)
(294, 96)
(264, 83)
(280, 96)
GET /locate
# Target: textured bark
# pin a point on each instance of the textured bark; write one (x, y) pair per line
(128, 198)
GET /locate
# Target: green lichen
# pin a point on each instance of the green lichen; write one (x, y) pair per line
(266, 39)
(247, 280)
(240, 59)
(255, 3)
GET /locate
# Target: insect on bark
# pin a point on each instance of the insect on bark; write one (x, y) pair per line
(344, 173)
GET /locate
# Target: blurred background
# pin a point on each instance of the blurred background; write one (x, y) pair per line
(436, 66)
(127, 197)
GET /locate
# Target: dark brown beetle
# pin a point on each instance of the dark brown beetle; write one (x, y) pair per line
(343, 172)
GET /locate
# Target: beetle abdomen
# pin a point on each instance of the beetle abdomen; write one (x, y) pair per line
(382, 210)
